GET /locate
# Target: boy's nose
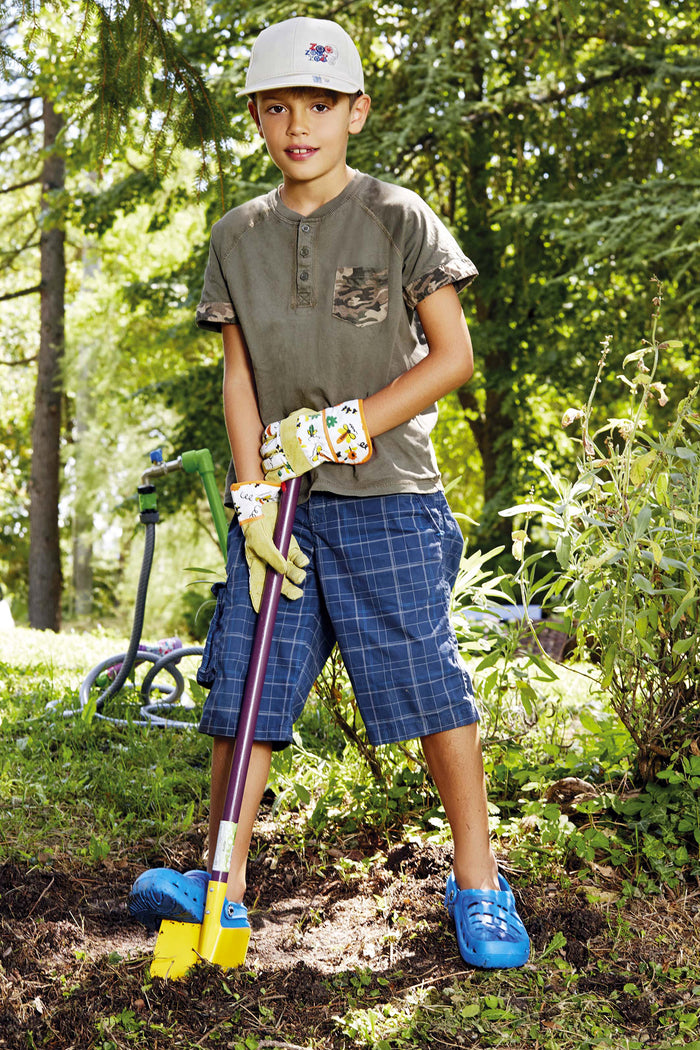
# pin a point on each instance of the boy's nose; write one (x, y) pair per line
(297, 124)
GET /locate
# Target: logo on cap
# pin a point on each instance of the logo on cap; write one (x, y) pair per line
(322, 53)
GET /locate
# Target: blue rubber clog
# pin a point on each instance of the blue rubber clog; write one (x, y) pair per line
(161, 893)
(490, 933)
(234, 916)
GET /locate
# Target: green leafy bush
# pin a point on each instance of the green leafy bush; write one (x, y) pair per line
(625, 535)
(662, 822)
(650, 835)
(507, 677)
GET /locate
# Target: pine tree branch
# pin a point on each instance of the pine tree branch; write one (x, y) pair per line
(577, 87)
(20, 363)
(18, 295)
(630, 40)
(18, 100)
(21, 127)
(11, 254)
(21, 185)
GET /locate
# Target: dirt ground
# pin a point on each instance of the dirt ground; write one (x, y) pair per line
(70, 955)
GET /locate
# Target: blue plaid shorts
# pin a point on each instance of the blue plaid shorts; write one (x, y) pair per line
(379, 582)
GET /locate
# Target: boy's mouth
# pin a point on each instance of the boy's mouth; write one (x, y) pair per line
(300, 152)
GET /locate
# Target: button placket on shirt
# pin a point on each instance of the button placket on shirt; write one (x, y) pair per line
(304, 265)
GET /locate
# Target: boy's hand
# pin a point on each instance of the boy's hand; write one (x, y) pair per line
(256, 505)
(307, 438)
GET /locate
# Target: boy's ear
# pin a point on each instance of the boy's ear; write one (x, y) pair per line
(253, 110)
(359, 111)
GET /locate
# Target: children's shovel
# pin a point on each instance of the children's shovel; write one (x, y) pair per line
(220, 939)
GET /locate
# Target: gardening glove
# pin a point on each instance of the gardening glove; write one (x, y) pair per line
(307, 438)
(256, 504)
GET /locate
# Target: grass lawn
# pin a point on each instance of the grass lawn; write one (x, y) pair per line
(351, 946)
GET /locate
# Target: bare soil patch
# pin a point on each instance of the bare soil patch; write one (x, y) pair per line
(71, 958)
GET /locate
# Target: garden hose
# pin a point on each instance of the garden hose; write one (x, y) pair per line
(165, 655)
(152, 714)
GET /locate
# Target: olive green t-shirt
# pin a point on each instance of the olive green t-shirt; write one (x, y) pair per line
(326, 303)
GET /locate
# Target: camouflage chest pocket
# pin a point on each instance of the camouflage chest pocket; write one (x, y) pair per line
(361, 295)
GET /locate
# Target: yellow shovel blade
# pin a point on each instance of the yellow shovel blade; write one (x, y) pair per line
(176, 949)
(223, 946)
(181, 945)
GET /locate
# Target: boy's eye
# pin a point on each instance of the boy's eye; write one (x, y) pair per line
(320, 107)
(276, 108)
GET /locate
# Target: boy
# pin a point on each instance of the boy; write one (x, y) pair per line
(336, 297)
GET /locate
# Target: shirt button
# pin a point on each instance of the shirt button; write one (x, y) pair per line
(304, 251)
(305, 227)
(304, 275)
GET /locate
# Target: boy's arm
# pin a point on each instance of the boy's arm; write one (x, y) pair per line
(449, 364)
(256, 501)
(241, 413)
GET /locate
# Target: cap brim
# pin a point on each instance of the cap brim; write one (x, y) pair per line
(347, 87)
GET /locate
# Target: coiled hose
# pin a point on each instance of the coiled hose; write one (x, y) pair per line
(200, 462)
(151, 713)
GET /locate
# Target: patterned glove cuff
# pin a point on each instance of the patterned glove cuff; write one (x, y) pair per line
(346, 432)
(249, 497)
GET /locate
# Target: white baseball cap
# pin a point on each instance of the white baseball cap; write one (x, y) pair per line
(304, 52)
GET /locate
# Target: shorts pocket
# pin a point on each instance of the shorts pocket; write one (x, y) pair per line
(361, 295)
(206, 672)
(432, 507)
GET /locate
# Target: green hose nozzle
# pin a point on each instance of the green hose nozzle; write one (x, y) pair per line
(200, 462)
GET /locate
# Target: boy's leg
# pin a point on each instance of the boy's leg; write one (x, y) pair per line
(489, 930)
(455, 762)
(256, 781)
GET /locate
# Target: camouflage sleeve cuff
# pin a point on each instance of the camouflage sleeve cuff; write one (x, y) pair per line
(212, 316)
(458, 272)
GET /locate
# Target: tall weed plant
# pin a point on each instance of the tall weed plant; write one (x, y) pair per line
(625, 534)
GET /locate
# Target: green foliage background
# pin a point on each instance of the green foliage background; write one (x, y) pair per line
(559, 142)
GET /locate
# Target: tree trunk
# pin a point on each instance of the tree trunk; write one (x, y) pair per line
(44, 487)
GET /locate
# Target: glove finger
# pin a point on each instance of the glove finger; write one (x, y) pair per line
(258, 573)
(266, 551)
(256, 581)
(290, 591)
(270, 448)
(294, 573)
(273, 460)
(272, 431)
(296, 554)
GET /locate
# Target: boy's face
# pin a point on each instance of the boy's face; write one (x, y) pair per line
(306, 130)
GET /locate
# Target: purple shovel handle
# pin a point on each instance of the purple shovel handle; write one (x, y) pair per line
(262, 640)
